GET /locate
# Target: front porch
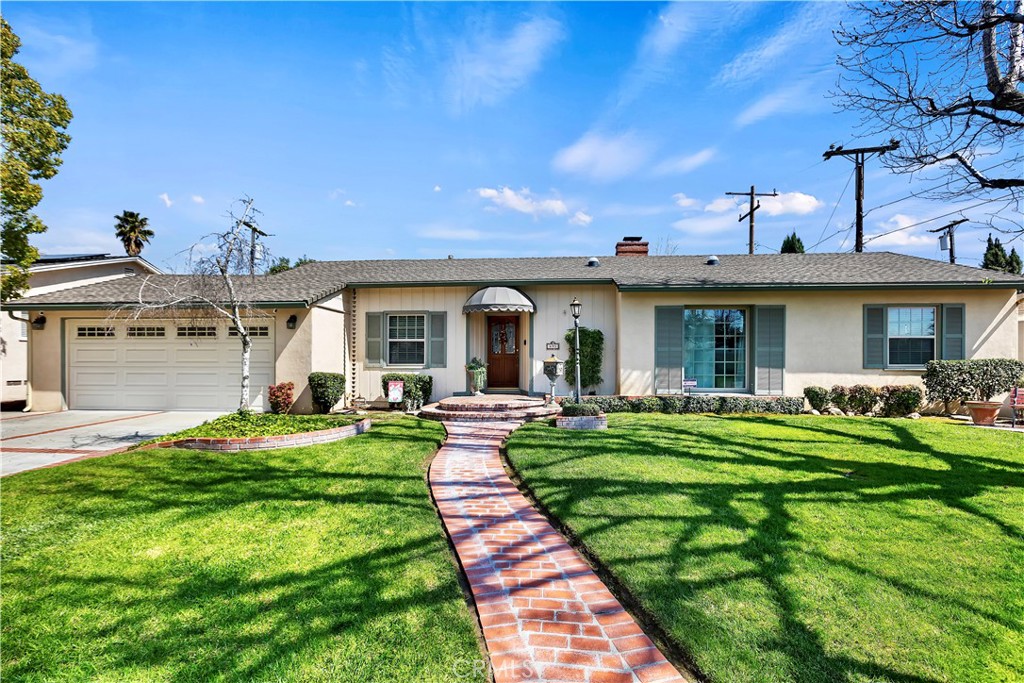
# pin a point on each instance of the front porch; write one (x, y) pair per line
(490, 408)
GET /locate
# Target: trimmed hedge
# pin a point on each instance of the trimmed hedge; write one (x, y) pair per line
(580, 410)
(862, 398)
(900, 399)
(818, 397)
(971, 380)
(784, 405)
(840, 397)
(327, 389)
(418, 388)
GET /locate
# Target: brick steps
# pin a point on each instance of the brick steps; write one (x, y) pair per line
(494, 408)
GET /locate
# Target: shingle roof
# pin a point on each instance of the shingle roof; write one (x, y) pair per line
(314, 281)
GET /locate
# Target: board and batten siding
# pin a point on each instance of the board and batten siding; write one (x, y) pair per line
(824, 331)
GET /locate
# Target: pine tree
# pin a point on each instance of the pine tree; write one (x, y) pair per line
(1013, 263)
(792, 244)
(995, 257)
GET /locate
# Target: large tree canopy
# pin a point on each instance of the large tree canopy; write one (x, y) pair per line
(34, 124)
(945, 79)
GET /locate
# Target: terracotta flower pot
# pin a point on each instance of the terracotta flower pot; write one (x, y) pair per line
(984, 412)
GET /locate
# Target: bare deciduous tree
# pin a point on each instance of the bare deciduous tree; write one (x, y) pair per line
(221, 282)
(945, 78)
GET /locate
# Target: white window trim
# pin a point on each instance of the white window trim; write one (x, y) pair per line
(748, 383)
(935, 337)
(387, 338)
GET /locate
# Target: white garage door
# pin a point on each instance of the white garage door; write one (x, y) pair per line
(163, 365)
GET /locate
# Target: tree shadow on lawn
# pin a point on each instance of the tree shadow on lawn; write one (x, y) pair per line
(773, 542)
(358, 609)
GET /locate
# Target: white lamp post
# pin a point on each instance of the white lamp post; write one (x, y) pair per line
(577, 308)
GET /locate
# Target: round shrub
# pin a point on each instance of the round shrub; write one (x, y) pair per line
(327, 389)
(281, 396)
(862, 398)
(840, 397)
(900, 399)
(817, 397)
(580, 410)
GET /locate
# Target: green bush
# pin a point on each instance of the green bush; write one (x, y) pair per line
(785, 405)
(591, 357)
(327, 389)
(417, 391)
(862, 398)
(645, 404)
(900, 399)
(817, 397)
(970, 380)
(840, 397)
(580, 409)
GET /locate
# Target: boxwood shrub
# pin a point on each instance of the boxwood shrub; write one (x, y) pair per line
(418, 388)
(327, 389)
(817, 397)
(967, 380)
(840, 397)
(900, 399)
(580, 409)
(862, 398)
(788, 405)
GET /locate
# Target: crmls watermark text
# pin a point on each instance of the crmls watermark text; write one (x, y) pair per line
(477, 667)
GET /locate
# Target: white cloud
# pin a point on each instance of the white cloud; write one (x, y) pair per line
(721, 205)
(794, 98)
(581, 218)
(706, 225)
(602, 157)
(683, 201)
(486, 67)
(523, 201)
(57, 51)
(201, 249)
(198, 199)
(801, 32)
(905, 237)
(349, 202)
(790, 203)
(444, 232)
(686, 163)
(437, 188)
(636, 209)
(165, 198)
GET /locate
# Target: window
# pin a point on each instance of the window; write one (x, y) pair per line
(136, 331)
(254, 331)
(911, 335)
(197, 331)
(91, 331)
(23, 330)
(406, 339)
(715, 344)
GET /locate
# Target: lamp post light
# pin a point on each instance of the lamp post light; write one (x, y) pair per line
(577, 309)
(554, 367)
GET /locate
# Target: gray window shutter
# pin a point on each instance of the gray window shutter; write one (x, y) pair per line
(954, 345)
(438, 342)
(769, 349)
(668, 349)
(374, 340)
(874, 336)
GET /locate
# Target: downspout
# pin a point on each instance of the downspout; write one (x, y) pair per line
(28, 360)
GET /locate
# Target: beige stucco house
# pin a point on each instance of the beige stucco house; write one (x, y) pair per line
(50, 273)
(766, 324)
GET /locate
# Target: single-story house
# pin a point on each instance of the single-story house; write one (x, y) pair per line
(764, 324)
(52, 272)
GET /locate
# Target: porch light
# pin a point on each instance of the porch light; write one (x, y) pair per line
(290, 322)
(39, 322)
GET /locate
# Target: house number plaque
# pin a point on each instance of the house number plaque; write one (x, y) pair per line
(553, 346)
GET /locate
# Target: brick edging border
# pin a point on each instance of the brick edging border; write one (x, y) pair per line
(255, 443)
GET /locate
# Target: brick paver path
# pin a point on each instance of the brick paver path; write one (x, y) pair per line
(545, 615)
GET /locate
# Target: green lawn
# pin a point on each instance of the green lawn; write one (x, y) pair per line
(804, 549)
(324, 563)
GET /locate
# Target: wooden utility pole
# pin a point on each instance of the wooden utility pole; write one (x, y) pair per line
(949, 230)
(860, 155)
(750, 214)
(252, 239)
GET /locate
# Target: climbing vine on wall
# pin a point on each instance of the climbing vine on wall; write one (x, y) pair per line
(591, 357)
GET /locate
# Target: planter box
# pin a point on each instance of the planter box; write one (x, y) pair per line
(583, 422)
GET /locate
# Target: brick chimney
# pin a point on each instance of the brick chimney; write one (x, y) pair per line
(631, 246)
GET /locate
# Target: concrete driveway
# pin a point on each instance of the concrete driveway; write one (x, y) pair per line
(31, 440)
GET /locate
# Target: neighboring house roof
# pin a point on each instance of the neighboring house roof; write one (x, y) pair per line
(313, 282)
(50, 262)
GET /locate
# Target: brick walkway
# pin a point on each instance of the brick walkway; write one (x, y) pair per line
(545, 615)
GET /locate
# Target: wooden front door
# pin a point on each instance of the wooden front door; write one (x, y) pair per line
(502, 352)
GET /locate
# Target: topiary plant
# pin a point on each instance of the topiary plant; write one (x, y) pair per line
(817, 397)
(327, 388)
(580, 409)
(591, 357)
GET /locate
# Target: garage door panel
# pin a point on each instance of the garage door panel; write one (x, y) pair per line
(164, 373)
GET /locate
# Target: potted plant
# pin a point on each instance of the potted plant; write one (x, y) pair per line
(477, 370)
(986, 378)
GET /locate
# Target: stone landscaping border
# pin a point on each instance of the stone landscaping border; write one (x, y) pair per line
(255, 443)
(582, 422)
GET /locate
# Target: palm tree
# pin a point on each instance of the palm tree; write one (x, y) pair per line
(132, 231)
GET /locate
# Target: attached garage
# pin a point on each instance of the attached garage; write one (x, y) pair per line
(164, 365)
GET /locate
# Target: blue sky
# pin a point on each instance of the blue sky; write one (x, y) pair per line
(389, 130)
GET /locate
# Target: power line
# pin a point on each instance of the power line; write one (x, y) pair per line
(935, 218)
(834, 207)
(750, 214)
(860, 156)
(918, 193)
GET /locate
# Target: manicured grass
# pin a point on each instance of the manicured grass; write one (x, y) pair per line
(804, 549)
(246, 425)
(322, 563)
